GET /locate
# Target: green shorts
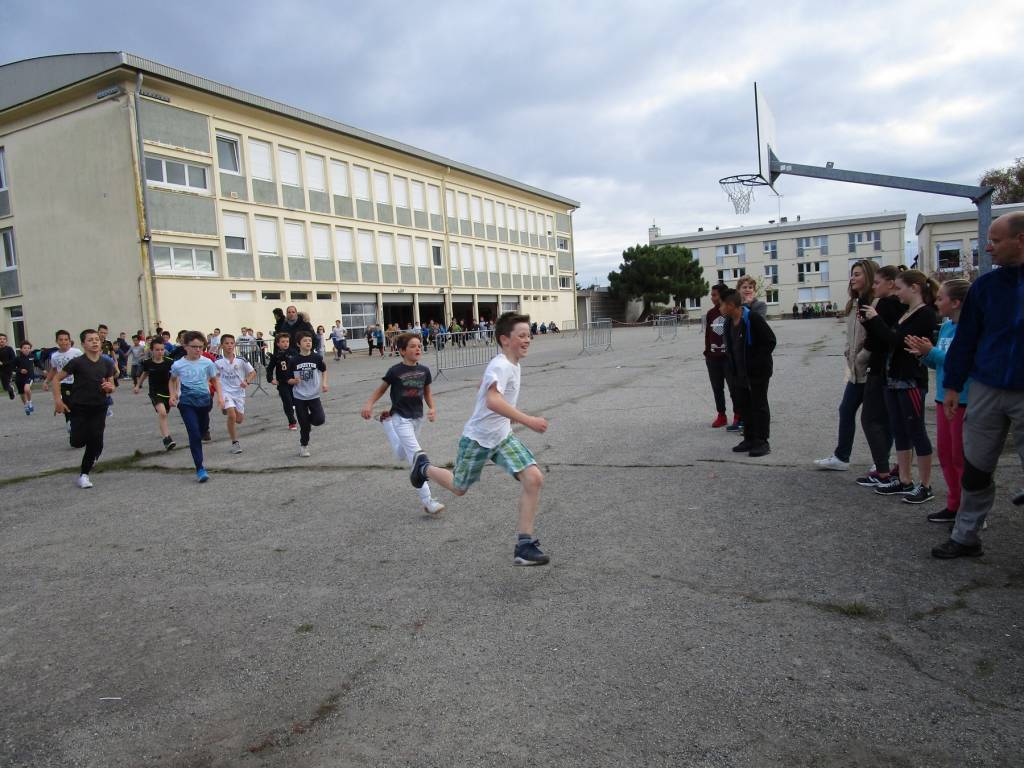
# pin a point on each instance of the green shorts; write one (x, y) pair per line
(510, 454)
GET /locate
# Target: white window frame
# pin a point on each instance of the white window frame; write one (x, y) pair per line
(421, 250)
(241, 295)
(344, 244)
(476, 209)
(437, 253)
(289, 166)
(295, 239)
(479, 258)
(10, 254)
(261, 153)
(386, 248)
(320, 241)
(771, 274)
(562, 244)
(565, 282)
(769, 298)
(236, 151)
(339, 179)
(382, 187)
(502, 215)
(400, 190)
(235, 225)
(488, 212)
(314, 167)
(492, 259)
(418, 195)
(262, 232)
(550, 222)
(466, 257)
(361, 182)
(770, 248)
(503, 261)
(324, 295)
(367, 247)
(186, 187)
(404, 251)
(462, 205)
(272, 295)
(192, 249)
(453, 256)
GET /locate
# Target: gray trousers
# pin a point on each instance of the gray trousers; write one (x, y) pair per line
(990, 412)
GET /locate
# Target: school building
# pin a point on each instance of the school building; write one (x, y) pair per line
(948, 241)
(795, 262)
(135, 194)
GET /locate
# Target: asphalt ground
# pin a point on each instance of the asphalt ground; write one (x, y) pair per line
(701, 608)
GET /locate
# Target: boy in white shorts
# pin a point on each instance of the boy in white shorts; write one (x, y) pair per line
(488, 436)
(409, 382)
(235, 375)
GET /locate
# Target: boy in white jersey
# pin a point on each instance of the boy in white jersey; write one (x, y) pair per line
(488, 436)
(66, 352)
(235, 375)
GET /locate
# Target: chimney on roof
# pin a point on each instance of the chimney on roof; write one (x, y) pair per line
(653, 232)
(700, 229)
(716, 229)
(798, 217)
(784, 219)
(771, 221)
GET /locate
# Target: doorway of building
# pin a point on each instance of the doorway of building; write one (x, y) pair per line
(17, 321)
(433, 312)
(398, 313)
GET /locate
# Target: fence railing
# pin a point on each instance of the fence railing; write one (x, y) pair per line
(596, 335)
(256, 357)
(463, 350)
(667, 327)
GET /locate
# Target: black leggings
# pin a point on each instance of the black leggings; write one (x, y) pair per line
(87, 425)
(311, 414)
(284, 391)
(874, 420)
(906, 416)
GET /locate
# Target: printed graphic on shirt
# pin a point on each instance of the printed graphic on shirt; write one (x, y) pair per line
(60, 359)
(232, 374)
(408, 383)
(306, 369)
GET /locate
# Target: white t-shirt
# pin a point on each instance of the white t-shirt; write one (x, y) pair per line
(232, 374)
(485, 426)
(59, 359)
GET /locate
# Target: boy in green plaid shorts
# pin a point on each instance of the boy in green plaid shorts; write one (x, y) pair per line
(488, 436)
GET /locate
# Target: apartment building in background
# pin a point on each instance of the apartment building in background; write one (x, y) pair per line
(132, 193)
(795, 261)
(945, 240)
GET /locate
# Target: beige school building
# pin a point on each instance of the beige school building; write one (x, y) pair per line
(949, 240)
(135, 194)
(796, 261)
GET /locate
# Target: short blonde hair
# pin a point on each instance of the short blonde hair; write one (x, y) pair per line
(747, 279)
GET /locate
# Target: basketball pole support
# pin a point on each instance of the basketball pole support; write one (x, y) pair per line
(980, 196)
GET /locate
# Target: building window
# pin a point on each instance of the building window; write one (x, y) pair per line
(419, 200)
(228, 156)
(243, 295)
(320, 237)
(467, 257)
(550, 221)
(948, 255)
(343, 244)
(453, 256)
(361, 181)
(771, 249)
(565, 281)
(183, 260)
(315, 173)
(339, 178)
(812, 268)
(235, 233)
(288, 166)
(10, 258)
(261, 165)
(492, 260)
(489, 212)
(502, 220)
(771, 274)
(386, 248)
(805, 243)
(808, 295)
(562, 243)
(266, 237)
(476, 210)
(422, 255)
(380, 187)
(366, 250)
(176, 174)
(771, 296)
(434, 199)
(356, 316)
(401, 189)
(3, 170)
(435, 250)
(856, 238)
(725, 275)
(299, 295)
(271, 295)
(295, 239)
(531, 223)
(463, 205)
(404, 251)
(324, 296)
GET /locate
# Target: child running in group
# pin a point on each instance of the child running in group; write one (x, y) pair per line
(488, 436)
(236, 373)
(949, 431)
(65, 353)
(92, 374)
(307, 375)
(191, 379)
(24, 374)
(277, 374)
(409, 382)
(158, 370)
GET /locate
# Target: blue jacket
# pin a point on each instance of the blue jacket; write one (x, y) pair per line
(989, 341)
(937, 359)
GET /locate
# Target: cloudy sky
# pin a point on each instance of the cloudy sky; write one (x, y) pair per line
(635, 109)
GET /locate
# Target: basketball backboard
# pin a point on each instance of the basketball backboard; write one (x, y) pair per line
(766, 145)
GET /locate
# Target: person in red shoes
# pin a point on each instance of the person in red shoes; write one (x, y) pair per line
(715, 357)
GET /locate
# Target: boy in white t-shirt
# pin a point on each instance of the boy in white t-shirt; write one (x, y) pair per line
(235, 375)
(488, 436)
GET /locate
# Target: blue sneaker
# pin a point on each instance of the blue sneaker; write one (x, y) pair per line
(528, 553)
(202, 475)
(418, 476)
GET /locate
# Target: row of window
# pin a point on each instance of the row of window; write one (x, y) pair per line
(3, 171)
(770, 248)
(950, 255)
(250, 295)
(771, 273)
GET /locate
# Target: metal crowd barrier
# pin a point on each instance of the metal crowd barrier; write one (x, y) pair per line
(667, 327)
(251, 353)
(463, 350)
(597, 336)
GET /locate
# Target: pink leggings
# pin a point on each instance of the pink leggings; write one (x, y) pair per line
(950, 433)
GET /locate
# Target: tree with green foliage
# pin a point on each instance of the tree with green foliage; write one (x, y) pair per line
(653, 273)
(1009, 183)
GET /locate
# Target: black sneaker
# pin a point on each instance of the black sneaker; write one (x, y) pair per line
(950, 549)
(206, 437)
(761, 448)
(169, 443)
(528, 553)
(871, 479)
(920, 495)
(894, 488)
(736, 426)
(418, 476)
(945, 516)
(743, 447)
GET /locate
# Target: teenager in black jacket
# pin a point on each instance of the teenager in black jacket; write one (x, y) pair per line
(907, 383)
(749, 343)
(277, 374)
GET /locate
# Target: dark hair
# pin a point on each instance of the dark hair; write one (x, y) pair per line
(303, 335)
(101, 327)
(86, 332)
(191, 336)
(278, 312)
(720, 287)
(283, 335)
(60, 333)
(929, 287)
(888, 272)
(868, 267)
(3, 334)
(956, 288)
(730, 296)
(225, 336)
(506, 323)
(24, 342)
(156, 340)
(165, 333)
(403, 339)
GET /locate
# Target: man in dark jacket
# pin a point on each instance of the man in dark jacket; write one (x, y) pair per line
(988, 348)
(292, 324)
(749, 342)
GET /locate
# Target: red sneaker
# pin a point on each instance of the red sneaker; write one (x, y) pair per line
(720, 421)
(292, 427)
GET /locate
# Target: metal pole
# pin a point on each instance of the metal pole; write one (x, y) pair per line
(984, 204)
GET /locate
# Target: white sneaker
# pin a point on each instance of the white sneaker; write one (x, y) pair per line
(831, 463)
(433, 507)
(304, 451)
(236, 447)
(83, 481)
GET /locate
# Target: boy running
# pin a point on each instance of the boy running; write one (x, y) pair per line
(158, 370)
(65, 353)
(191, 379)
(235, 375)
(277, 374)
(136, 355)
(410, 387)
(93, 377)
(307, 375)
(24, 373)
(488, 436)
(7, 355)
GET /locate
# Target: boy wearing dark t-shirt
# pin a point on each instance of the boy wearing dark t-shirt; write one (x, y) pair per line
(24, 373)
(409, 382)
(94, 381)
(277, 374)
(157, 368)
(307, 375)
(716, 359)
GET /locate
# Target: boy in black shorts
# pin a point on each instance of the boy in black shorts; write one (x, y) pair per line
(158, 370)
(24, 374)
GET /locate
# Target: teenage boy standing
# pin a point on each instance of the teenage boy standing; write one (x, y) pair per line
(749, 345)
(716, 359)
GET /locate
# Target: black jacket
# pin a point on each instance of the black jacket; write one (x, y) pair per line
(300, 325)
(758, 343)
(889, 309)
(277, 366)
(902, 365)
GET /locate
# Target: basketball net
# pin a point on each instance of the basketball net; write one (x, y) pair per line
(740, 189)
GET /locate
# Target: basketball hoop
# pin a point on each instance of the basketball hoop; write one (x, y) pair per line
(740, 189)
